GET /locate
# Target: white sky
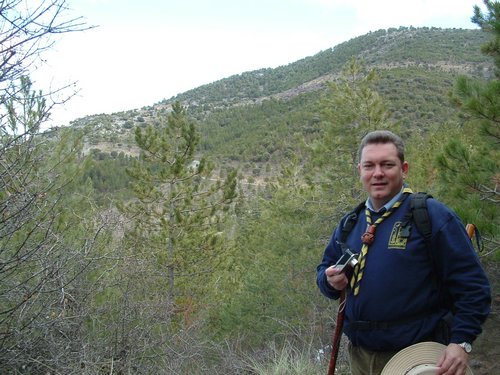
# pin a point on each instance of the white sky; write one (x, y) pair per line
(144, 51)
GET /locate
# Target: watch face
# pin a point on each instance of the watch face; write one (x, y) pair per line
(467, 347)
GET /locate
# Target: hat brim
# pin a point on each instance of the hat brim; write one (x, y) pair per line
(418, 359)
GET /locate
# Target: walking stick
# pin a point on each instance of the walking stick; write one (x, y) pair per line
(346, 263)
(337, 334)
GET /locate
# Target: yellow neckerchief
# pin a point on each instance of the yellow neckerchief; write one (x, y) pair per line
(368, 237)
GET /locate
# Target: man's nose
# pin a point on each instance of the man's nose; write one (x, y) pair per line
(378, 171)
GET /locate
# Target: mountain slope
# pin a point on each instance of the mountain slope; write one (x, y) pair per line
(454, 49)
(252, 117)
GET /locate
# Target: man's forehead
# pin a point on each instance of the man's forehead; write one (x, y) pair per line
(388, 149)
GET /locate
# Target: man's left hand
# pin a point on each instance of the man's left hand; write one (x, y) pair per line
(453, 361)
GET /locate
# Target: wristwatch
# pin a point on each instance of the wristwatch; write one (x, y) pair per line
(466, 347)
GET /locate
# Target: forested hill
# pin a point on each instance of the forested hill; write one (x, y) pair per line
(432, 48)
(251, 117)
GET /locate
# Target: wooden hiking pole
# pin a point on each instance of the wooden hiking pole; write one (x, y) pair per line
(337, 334)
(346, 263)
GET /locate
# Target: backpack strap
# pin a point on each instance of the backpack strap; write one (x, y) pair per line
(419, 215)
(350, 221)
(418, 209)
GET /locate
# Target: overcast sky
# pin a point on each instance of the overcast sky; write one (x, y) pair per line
(144, 51)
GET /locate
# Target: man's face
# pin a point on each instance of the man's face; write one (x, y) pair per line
(381, 172)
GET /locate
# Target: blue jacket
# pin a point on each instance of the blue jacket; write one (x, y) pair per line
(398, 285)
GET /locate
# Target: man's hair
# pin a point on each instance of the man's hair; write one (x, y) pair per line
(383, 136)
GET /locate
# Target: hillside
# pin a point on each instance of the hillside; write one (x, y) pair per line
(433, 48)
(251, 117)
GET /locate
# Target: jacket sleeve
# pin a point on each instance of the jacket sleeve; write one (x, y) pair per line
(463, 277)
(330, 256)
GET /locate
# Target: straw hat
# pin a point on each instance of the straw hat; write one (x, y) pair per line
(418, 359)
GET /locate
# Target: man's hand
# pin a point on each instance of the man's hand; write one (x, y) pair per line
(336, 278)
(453, 361)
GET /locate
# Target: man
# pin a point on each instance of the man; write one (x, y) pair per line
(394, 298)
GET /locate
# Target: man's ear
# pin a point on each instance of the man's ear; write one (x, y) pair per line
(405, 167)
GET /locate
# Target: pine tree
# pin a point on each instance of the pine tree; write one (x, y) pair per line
(180, 208)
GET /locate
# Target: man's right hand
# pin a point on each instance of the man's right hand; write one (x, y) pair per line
(336, 278)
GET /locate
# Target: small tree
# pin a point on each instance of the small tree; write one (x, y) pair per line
(176, 238)
(180, 201)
